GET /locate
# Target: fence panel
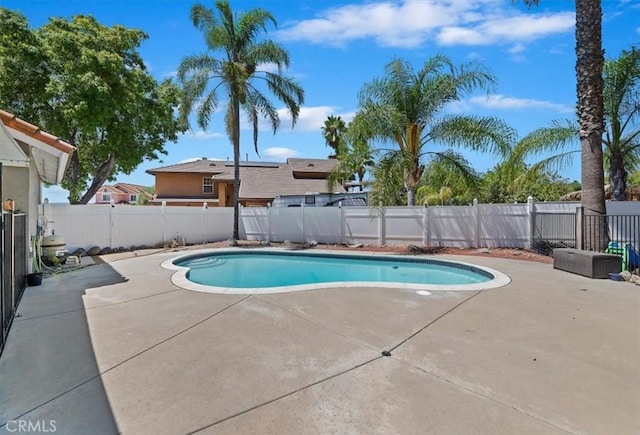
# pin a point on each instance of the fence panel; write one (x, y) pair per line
(286, 224)
(134, 226)
(503, 225)
(255, 223)
(360, 225)
(81, 226)
(218, 224)
(452, 226)
(321, 224)
(403, 225)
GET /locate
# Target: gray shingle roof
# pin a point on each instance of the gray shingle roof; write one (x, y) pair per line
(262, 180)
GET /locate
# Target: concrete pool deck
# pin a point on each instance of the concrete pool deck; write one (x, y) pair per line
(117, 348)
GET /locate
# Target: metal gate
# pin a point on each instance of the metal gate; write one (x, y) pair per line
(554, 230)
(13, 257)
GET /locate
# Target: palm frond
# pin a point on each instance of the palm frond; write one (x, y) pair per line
(486, 134)
(252, 22)
(456, 167)
(561, 135)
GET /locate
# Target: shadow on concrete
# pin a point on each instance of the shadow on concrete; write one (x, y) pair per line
(49, 378)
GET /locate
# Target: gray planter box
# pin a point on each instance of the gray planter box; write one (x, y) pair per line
(586, 263)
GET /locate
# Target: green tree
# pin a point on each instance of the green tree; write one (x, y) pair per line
(500, 186)
(333, 131)
(86, 83)
(448, 178)
(621, 139)
(387, 187)
(405, 107)
(23, 66)
(239, 73)
(356, 159)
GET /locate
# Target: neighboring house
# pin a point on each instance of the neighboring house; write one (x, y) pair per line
(211, 181)
(29, 157)
(121, 193)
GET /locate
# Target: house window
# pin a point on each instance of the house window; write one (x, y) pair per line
(207, 185)
(106, 197)
(133, 198)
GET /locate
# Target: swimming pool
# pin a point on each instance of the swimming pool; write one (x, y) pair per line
(275, 271)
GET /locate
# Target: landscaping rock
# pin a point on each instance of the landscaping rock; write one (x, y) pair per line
(635, 279)
(106, 250)
(80, 252)
(626, 275)
(94, 250)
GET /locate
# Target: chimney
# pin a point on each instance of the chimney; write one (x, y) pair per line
(247, 157)
(204, 158)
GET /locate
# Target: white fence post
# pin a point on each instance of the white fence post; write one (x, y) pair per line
(111, 223)
(164, 206)
(476, 214)
(425, 225)
(531, 209)
(268, 222)
(381, 226)
(342, 223)
(304, 238)
(205, 206)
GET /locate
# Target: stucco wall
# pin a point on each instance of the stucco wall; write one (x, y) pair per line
(177, 185)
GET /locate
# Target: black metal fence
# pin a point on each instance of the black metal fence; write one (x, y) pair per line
(616, 234)
(13, 258)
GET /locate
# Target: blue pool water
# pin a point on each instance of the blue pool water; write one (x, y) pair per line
(277, 269)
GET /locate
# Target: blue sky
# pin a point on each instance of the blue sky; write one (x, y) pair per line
(337, 46)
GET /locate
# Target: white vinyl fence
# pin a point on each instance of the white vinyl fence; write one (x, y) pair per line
(478, 225)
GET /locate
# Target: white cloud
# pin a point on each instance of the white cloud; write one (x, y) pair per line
(412, 23)
(279, 153)
(268, 67)
(502, 102)
(508, 29)
(310, 118)
(517, 49)
(203, 135)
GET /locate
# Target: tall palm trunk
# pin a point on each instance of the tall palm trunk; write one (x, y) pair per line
(235, 135)
(589, 65)
(618, 177)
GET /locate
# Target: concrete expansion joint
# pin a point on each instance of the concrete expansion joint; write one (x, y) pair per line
(455, 307)
(284, 396)
(470, 389)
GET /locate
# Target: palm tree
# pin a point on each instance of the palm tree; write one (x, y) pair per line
(590, 107)
(240, 74)
(333, 131)
(622, 110)
(357, 156)
(406, 107)
(621, 138)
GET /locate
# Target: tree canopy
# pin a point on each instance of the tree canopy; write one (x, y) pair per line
(86, 83)
(405, 107)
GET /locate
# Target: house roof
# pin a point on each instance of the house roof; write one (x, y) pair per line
(50, 153)
(130, 188)
(312, 165)
(262, 180)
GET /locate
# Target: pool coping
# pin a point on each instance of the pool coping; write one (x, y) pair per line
(179, 277)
